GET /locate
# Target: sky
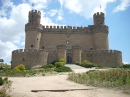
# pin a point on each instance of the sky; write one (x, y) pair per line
(14, 16)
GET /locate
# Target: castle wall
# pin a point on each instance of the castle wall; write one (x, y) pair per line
(29, 57)
(110, 58)
(76, 54)
(50, 41)
(61, 52)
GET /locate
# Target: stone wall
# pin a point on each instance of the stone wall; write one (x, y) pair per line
(110, 58)
(29, 57)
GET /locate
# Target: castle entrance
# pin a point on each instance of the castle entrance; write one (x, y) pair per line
(69, 58)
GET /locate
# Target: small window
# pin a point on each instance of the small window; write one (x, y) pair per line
(30, 21)
(31, 45)
(101, 23)
(91, 48)
(23, 59)
(43, 47)
(37, 38)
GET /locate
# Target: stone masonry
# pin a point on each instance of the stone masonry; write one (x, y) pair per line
(46, 44)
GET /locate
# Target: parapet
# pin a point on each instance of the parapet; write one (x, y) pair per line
(102, 51)
(34, 11)
(63, 27)
(98, 14)
(28, 51)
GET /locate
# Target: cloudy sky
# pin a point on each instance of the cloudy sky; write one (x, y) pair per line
(14, 16)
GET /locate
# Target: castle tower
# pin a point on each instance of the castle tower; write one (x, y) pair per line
(33, 30)
(100, 30)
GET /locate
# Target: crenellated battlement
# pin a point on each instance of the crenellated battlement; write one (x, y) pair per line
(98, 14)
(29, 51)
(102, 51)
(63, 27)
(34, 12)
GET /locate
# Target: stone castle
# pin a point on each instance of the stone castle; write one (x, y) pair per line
(46, 44)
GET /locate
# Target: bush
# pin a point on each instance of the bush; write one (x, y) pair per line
(1, 81)
(59, 64)
(62, 60)
(126, 66)
(63, 69)
(48, 66)
(20, 67)
(86, 64)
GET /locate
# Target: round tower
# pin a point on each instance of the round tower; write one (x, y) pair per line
(100, 32)
(33, 30)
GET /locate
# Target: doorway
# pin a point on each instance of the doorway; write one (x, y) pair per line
(69, 58)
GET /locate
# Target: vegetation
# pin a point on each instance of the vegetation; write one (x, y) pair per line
(20, 67)
(1, 81)
(5, 88)
(86, 64)
(63, 69)
(125, 66)
(104, 78)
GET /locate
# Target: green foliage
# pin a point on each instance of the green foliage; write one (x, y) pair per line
(48, 66)
(20, 67)
(86, 64)
(105, 78)
(5, 89)
(62, 60)
(1, 81)
(63, 69)
(59, 64)
(125, 66)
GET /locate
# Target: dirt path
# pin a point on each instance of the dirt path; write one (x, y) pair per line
(21, 87)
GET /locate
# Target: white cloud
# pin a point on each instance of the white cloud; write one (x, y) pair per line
(85, 8)
(6, 49)
(53, 12)
(12, 27)
(5, 5)
(126, 62)
(123, 5)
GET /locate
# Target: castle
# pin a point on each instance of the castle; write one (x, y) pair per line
(46, 44)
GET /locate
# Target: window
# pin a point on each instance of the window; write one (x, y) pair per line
(23, 59)
(31, 45)
(43, 47)
(37, 38)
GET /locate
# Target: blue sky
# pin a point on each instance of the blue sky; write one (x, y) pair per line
(14, 16)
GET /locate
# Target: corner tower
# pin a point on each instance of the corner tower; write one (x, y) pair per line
(33, 30)
(100, 30)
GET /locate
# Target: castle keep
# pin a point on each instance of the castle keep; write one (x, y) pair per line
(46, 44)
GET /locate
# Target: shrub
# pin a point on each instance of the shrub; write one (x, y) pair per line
(63, 69)
(20, 67)
(48, 66)
(87, 64)
(126, 66)
(62, 60)
(1, 81)
(59, 64)
(78, 63)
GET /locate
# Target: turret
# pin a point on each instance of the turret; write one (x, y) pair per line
(98, 18)
(100, 31)
(33, 30)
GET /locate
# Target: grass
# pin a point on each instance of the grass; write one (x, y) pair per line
(105, 78)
